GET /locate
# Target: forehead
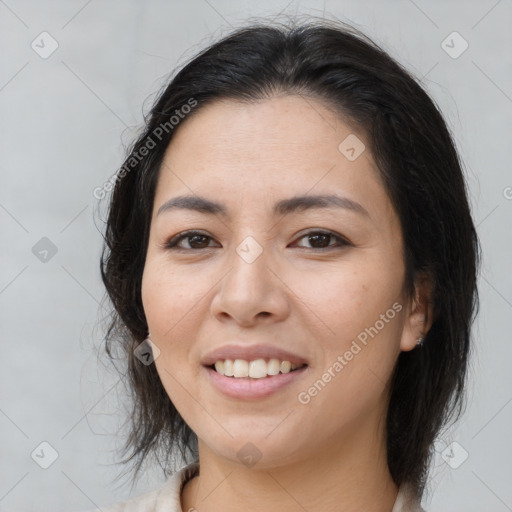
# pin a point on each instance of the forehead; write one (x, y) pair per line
(281, 124)
(276, 147)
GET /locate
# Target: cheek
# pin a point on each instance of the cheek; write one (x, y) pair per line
(168, 309)
(174, 304)
(168, 297)
(348, 298)
(358, 308)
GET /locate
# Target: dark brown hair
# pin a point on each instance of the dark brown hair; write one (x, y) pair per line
(420, 168)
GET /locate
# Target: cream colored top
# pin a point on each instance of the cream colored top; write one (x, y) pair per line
(168, 497)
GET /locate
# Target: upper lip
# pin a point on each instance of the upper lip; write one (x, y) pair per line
(250, 353)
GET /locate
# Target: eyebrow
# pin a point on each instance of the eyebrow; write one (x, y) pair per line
(283, 207)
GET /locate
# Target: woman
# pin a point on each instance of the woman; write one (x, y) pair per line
(291, 238)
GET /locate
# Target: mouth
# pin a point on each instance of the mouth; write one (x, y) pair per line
(255, 369)
(253, 380)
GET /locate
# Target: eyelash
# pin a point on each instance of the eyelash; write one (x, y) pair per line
(175, 240)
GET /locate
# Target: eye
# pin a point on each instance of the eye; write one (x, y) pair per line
(195, 240)
(323, 240)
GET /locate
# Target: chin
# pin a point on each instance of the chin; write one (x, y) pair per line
(256, 450)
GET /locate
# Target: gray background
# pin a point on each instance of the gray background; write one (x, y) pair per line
(64, 120)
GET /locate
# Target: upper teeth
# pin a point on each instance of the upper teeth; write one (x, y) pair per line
(256, 369)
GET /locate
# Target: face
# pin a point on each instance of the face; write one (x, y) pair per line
(319, 282)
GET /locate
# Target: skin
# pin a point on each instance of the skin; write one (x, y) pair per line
(329, 454)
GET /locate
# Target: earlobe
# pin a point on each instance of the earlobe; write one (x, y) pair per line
(420, 315)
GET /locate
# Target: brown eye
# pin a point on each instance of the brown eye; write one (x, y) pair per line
(323, 240)
(195, 241)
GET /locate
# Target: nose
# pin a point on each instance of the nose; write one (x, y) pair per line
(251, 292)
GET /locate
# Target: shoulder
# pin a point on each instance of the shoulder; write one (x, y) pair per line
(406, 501)
(165, 499)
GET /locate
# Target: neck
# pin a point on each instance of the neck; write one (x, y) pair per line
(345, 477)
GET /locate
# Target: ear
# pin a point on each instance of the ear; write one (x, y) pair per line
(419, 313)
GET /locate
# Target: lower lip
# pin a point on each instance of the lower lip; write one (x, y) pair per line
(249, 388)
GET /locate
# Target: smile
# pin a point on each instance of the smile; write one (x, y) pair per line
(256, 369)
(251, 380)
